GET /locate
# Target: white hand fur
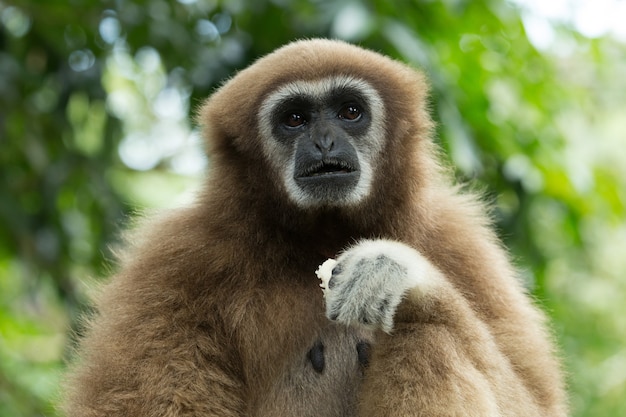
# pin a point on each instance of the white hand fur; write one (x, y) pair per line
(370, 280)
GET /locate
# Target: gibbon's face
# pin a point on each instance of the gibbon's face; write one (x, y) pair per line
(322, 124)
(323, 137)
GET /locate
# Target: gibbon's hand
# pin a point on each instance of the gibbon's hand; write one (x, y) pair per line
(370, 279)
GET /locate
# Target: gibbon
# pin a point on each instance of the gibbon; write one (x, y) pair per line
(318, 150)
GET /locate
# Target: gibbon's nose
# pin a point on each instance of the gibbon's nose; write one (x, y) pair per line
(324, 142)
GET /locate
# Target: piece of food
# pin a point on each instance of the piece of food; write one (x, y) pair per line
(324, 272)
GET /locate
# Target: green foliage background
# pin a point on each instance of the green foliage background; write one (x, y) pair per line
(95, 98)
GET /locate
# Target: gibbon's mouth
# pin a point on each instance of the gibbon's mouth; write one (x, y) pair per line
(328, 168)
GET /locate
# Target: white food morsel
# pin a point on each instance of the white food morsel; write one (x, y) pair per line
(324, 272)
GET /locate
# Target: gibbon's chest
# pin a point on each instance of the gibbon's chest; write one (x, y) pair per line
(311, 366)
(322, 379)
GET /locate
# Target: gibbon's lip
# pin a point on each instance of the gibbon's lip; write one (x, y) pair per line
(327, 168)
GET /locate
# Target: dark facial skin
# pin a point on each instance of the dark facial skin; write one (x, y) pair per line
(325, 133)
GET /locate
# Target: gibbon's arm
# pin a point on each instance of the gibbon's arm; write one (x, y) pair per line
(147, 355)
(427, 328)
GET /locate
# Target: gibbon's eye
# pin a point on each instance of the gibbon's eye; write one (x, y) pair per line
(294, 119)
(350, 112)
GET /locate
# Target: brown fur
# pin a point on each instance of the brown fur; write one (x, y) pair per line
(216, 305)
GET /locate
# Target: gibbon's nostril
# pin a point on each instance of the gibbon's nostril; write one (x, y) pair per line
(363, 353)
(316, 356)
